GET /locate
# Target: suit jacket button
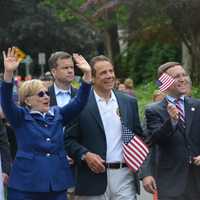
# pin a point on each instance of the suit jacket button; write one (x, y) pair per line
(48, 139)
(46, 125)
(48, 154)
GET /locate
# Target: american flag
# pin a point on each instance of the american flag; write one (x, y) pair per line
(134, 149)
(165, 81)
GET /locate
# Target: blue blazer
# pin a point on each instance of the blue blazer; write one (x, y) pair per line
(41, 164)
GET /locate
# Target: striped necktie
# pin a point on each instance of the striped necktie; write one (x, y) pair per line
(181, 113)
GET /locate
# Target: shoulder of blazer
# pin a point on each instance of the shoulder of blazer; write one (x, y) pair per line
(91, 101)
(73, 91)
(192, 100)
(156, 106)
(124, 97)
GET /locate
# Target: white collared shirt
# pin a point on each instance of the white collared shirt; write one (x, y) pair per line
(109, 112)
(62, 96)
(50, 112)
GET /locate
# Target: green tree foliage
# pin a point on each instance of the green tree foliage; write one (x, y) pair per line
(144, 59)
(34, 27)
(101, 16)
(151, 41)
(185, 18)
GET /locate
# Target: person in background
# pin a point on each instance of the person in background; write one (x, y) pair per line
(62, 69)
(129, 87)
(7, 139)
(117, 83)
(40, 170)
(158, 96)
(61, 92)
(122, 87)
(4, 150)
(47, 79)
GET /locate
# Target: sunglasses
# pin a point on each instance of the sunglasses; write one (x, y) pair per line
(43, 93)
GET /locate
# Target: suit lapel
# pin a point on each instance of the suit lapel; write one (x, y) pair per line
(189, 113)
(93, 109)
(53, 101)
(163, 105)
(73, 92)
(122, 107)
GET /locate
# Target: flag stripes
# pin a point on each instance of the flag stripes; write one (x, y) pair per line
(134, 149)
(166, 81)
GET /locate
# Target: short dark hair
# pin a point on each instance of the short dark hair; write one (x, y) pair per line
(164, 67)
(57, 55)
(96, 59)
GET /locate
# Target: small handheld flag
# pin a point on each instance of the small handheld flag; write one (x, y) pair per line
(164, 82)
(135, 150)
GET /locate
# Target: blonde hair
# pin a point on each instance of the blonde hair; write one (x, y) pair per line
(128, 83)
(29, 88)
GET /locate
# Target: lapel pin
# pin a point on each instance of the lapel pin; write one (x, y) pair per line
(192, 109)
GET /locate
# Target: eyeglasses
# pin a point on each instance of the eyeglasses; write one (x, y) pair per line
(43, 93)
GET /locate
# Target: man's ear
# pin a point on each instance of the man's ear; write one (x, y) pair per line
(53, 71)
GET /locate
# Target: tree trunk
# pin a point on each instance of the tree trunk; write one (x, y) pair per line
(186, 58)
(195, 52)
(111, 41)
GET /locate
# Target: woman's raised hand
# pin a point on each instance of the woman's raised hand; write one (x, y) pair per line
(83, 66)
(11, 62)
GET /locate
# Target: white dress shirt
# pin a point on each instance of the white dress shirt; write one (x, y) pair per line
(109, 112)
(62, 96)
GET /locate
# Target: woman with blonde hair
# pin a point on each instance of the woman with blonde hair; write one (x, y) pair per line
(40, 170)
(129, 86)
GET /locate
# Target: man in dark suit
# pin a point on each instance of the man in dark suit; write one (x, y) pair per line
(173, 125)
(95, 141)
(61, 92)
(62, 68)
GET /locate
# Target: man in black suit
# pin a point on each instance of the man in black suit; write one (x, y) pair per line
(95, 141)
(173, 125)
(61, 92)
(62, 68)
